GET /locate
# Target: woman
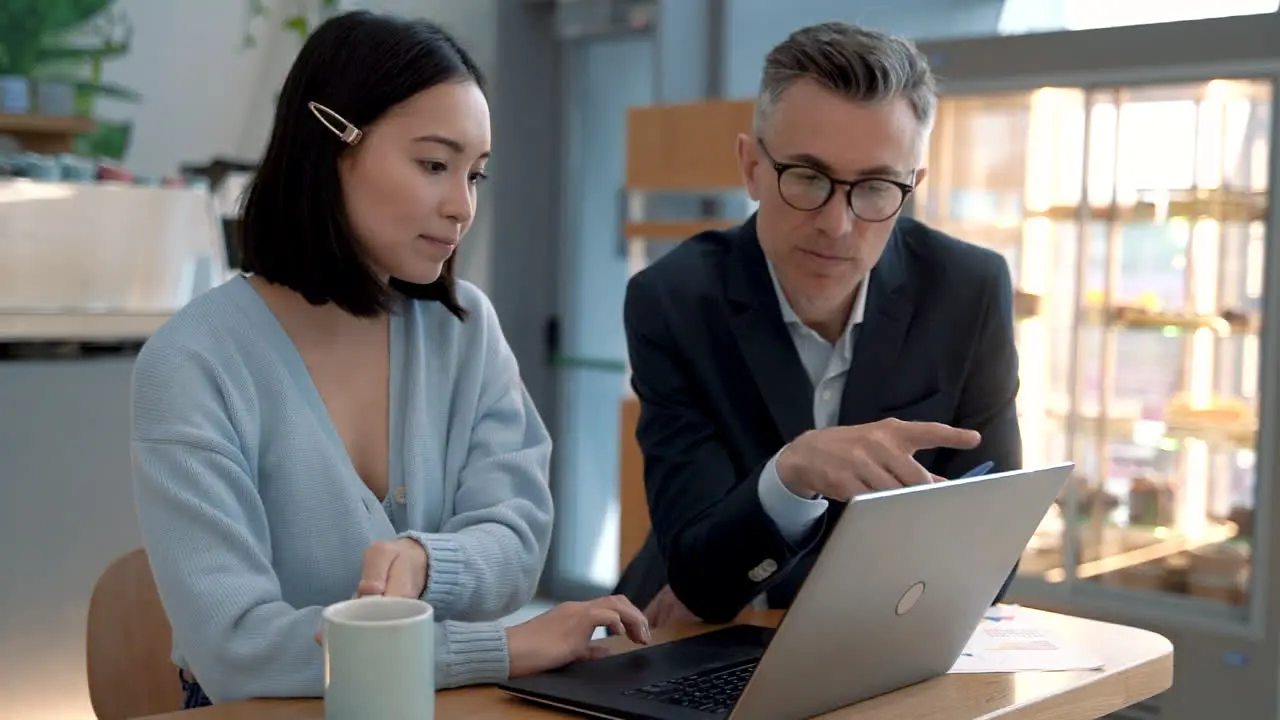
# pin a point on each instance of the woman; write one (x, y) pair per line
(348, 419)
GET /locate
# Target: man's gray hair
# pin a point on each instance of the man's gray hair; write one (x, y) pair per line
(863, 65)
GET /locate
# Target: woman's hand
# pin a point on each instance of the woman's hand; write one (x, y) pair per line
(397, 568)
(563, 634)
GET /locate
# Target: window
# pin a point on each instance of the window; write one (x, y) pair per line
(1031, 16)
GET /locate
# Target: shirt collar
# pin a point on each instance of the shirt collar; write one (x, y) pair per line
(791, 318)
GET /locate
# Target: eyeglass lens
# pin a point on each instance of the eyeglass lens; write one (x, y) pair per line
(871, 199)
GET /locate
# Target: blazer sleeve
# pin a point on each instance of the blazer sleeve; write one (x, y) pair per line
(720, 546)
(987, 400)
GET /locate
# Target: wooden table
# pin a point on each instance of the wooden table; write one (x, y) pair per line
(1139, 664)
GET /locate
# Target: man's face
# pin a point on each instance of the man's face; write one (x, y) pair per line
(820, 254)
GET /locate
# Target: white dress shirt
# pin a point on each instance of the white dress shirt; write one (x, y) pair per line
(827, 365)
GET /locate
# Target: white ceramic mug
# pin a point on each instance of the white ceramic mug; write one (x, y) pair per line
(379, 659)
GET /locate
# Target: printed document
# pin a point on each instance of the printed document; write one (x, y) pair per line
(1005, 643)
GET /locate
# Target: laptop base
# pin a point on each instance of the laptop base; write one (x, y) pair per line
(608, 687)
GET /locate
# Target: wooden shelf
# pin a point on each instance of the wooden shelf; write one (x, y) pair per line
(673, 230)
(686, 147)
(1026, 305)
(1223, 206)
(45, 133)
(45, 124)
(1135, 318)
(1238, 434)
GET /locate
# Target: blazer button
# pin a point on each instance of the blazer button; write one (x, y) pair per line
(762, 571)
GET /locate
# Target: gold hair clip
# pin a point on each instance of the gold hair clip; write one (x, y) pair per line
(350, 134)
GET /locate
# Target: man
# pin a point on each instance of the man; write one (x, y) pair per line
(823, 349)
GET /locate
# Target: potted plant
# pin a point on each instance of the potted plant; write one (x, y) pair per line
(65, 43)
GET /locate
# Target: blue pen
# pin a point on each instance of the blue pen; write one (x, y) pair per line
(982, 469)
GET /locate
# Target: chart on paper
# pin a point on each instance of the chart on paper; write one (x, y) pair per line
(1004, 643)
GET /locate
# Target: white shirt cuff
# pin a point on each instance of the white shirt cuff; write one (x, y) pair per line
(792, 514)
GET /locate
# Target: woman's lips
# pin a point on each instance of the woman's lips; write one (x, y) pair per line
(446, 242)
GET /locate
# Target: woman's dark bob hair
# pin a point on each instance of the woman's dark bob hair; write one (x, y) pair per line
(295, 230)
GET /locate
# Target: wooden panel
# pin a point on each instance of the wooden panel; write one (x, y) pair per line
(45, 134)
(1025, 304)
(633, 505)
(45, 144)
(675, 230)
(45, 124)
(686, 147)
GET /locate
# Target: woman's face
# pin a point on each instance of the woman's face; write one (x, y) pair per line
(410, 183)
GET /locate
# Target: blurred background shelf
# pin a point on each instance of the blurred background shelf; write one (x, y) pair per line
(1135, 200)
(672, 230)
(1137, 216)
(1211, 565)
(45, 133)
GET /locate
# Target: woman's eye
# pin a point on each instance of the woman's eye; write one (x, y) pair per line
(476, 178)
(433, 166)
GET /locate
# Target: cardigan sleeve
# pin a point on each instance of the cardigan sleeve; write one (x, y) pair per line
(486, 559)
(207, 537)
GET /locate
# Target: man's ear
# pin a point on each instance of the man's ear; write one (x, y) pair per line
(921, 173)
(748, 159)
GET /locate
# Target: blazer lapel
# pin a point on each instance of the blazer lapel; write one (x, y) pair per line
(756, 320)
(875, 353)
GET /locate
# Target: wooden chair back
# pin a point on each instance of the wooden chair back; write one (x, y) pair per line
(130, 673)
(633, 503)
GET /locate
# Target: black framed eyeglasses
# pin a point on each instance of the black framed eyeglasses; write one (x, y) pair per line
(806, 188)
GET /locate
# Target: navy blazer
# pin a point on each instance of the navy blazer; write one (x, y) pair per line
(722, 389)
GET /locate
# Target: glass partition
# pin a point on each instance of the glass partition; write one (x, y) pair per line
(1133, 219)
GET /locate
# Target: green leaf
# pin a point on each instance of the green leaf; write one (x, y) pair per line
(297, 24)
(63, 15)
(108, 139)
(29, 27)
(112, 90)
(63, 54)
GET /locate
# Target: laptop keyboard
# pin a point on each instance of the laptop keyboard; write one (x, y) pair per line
(714, 690)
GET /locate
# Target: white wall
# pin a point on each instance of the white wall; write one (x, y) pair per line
(67, 513)
(472, 22)
(203, 94)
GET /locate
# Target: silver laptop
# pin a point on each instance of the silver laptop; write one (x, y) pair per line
(898, 590)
